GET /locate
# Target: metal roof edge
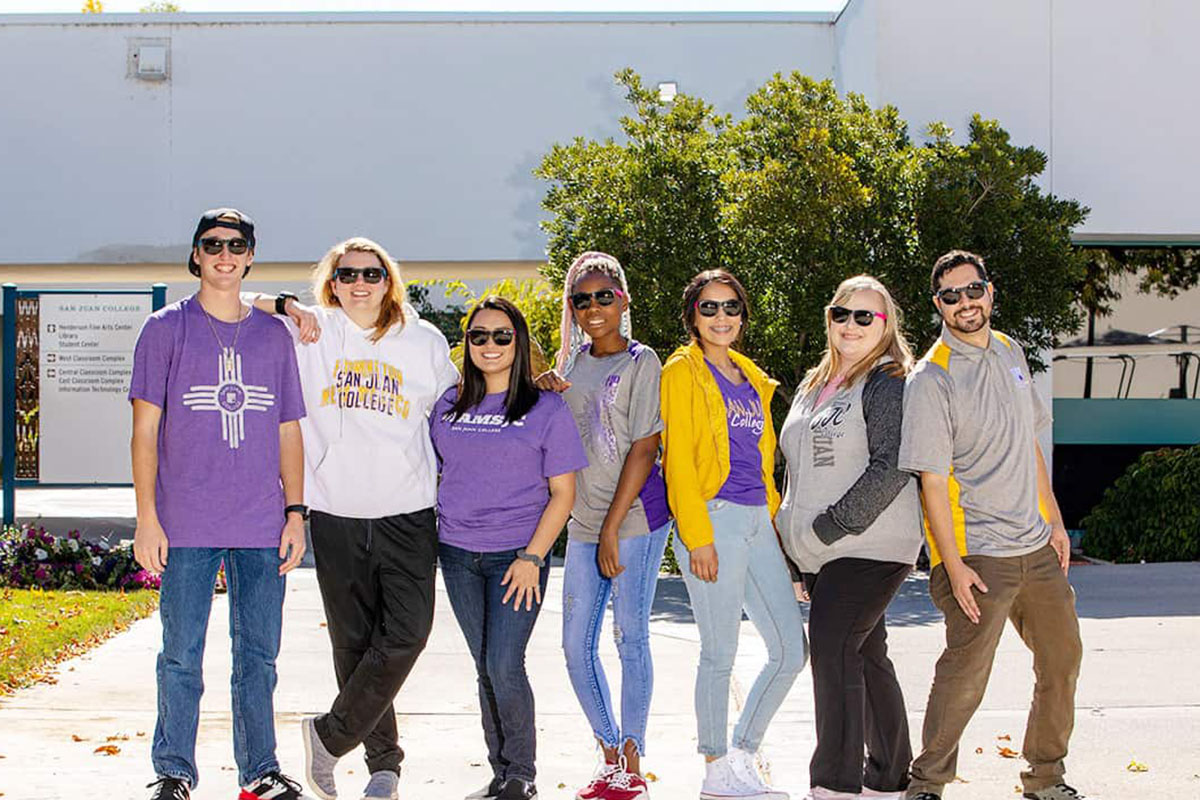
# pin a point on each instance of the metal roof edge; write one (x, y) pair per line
(417, 17)
(1136, 239)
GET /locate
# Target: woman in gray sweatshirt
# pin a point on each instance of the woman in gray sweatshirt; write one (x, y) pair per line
(851, 521)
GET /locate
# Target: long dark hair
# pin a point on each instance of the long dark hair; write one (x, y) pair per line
(522, 391)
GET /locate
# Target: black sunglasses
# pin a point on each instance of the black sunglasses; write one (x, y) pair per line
(605, 297)
(862, 316)
(501, 336)
(350, 274)
(973, 290)
(709, 308)
(214, 245)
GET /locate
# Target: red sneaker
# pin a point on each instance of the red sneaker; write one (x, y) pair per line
(626, 786)
(599, 785)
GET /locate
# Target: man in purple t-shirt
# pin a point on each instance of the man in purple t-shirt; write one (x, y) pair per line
(218, 470)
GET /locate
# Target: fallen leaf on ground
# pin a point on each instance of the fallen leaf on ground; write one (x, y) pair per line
(1137, 766)
(141, 733)
(1004, 738)
(650, 776)
(978, 751)
(117, 737)
(75, 737)
(562, 786)
(1007, 752)
(107, 749)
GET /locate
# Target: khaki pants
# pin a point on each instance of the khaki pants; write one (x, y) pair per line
(1032, 591)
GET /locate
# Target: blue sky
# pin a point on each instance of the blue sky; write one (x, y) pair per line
(224, 6)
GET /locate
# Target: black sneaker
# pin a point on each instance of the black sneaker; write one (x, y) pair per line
(169, 789)
(273, 786)
(1058, 792)
(926, 796)
(517, 789)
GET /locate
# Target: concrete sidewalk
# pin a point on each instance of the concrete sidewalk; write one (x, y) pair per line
(1139, 699)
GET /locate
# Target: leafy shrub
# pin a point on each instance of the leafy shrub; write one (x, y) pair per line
(30, 557)
(1152, 512)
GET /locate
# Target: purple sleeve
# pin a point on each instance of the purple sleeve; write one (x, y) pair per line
(291, 396)
(152, 363)
(562, 450)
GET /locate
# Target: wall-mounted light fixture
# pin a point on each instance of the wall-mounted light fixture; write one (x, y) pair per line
(149, 59)
(667, 91)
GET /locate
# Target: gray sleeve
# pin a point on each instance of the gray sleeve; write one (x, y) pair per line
(645, 412)
(1042, 418)
(881, 481)
(927, 436)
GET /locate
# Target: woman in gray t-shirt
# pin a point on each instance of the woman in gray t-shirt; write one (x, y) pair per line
(851, 521)
(620, 522)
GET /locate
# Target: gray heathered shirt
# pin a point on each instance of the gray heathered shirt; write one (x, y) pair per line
(972, 413)
(845, 498)
(615, 402)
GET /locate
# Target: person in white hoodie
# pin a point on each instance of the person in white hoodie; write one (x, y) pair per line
(371, 371)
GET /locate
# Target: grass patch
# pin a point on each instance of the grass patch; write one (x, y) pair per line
(39, 628)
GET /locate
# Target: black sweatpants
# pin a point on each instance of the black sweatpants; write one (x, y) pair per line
(857, 697)
(377, 584)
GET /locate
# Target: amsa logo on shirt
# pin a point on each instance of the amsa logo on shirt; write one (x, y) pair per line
(481, 423)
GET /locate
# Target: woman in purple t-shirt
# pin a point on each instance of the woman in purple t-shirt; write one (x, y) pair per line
(719, 458)
(508, 456)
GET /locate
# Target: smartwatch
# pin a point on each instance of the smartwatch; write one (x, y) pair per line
(300, 508)
(531, 557)
(281, 302)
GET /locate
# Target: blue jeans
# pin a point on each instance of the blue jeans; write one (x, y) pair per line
(497, 636)
(585, 596)
(751, 574)
(255, 618)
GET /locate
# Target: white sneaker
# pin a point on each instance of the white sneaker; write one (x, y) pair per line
(878, 795)
(721, 784)
(821, 793)
(746, 770)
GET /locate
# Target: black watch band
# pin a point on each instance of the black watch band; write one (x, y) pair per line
(531, 557)
(281, 302)
(298, 507)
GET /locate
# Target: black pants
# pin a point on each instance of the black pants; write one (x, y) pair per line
(377, 584)
(857, 697)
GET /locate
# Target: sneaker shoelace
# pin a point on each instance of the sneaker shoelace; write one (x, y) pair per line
(178, 790)
(624, 780)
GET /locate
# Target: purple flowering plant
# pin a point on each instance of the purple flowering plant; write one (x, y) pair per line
(31, 557)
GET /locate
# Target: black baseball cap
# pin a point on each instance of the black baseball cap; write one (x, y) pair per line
(220, 218)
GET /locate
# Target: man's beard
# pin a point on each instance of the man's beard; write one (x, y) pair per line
(973, 325)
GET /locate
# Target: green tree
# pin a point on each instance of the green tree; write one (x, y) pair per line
(806, 189)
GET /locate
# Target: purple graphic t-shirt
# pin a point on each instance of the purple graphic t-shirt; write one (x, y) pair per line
(744, 413)
(218, 439)
(495, 474)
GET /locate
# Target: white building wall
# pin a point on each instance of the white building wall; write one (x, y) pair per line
(421, 134)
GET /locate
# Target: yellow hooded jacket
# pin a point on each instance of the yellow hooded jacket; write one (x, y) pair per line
(695, 439)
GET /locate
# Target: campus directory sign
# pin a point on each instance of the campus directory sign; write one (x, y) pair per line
(68, 359)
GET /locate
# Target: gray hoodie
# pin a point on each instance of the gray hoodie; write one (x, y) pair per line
(845, 497)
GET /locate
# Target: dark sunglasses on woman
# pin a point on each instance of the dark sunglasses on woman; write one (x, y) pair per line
(369, 274)
(709, 308)
(973, 290)
(605, 297)
(214, 245)
(501, 336)
(862, 316)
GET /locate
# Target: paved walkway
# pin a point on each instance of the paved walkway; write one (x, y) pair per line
(1139, 699)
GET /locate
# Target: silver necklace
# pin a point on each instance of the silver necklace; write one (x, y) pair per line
(227, 353)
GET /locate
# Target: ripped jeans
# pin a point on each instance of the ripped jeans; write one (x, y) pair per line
(585, 597)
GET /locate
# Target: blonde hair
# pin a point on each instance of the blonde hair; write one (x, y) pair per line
(892, 344)
(392, 310)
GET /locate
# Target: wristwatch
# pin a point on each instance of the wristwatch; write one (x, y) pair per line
(524, 555)
(281, 302)
(297, 507)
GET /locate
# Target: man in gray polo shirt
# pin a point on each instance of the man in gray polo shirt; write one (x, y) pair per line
(997, 543)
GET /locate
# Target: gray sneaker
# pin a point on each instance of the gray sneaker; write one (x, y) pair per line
(383, 785)
(1058, 792)
(318, 762)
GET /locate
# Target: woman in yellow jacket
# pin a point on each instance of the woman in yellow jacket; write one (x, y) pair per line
(719, 453)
